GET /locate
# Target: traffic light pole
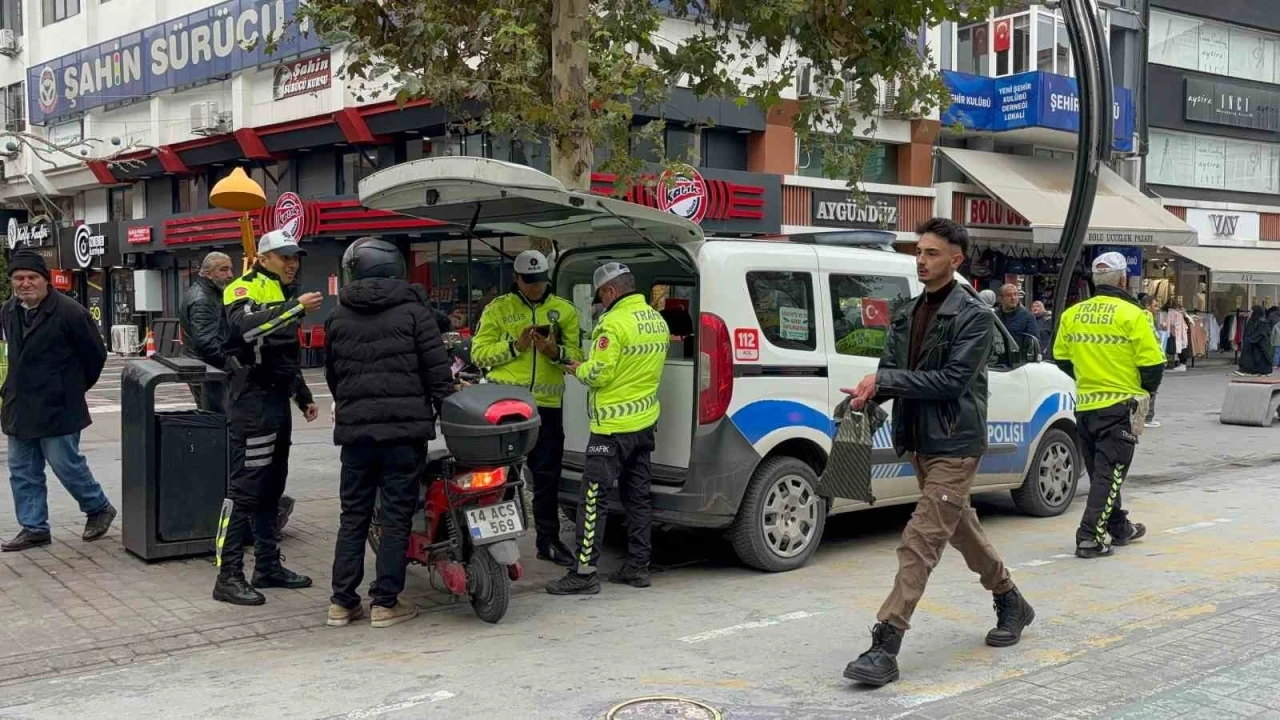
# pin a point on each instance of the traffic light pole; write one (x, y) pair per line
(1091, 49)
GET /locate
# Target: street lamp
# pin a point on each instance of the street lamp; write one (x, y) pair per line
(239, 193)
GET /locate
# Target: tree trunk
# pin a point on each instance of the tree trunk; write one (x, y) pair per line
(571, 152)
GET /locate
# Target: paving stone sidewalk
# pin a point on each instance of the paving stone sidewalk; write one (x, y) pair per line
(1216, 667)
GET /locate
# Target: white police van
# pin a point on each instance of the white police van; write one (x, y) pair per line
(765, 333)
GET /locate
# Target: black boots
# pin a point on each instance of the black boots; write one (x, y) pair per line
(232, 588)
(879, 665)
(633, 575)
(25, 540)
(275, 575)
(1127, 534)
(1092, 549)
(98, 524)
(1013, 614)
(574, 584)
(556, 552)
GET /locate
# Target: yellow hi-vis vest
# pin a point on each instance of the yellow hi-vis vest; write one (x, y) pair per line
(628, 352)
(1106, 339)
(494, 345)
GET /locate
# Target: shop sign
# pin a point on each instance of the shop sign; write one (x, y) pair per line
(139, 235)
(1243, 278)
(1225, 227)
(197, 48)
(1121, 237)
(62, 279)
(23, 237)
(1228, 103)
(1132, 258)
(302, 77)
(837, 208)
(1030, 99)
(88, 246)
(288, 213)
(718, 200)
(989, 212)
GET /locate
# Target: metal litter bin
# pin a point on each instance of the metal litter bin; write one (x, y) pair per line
(175, 463)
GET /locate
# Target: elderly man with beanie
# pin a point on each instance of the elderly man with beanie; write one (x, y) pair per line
(1107, 345)
(528, 337)
(56, 356)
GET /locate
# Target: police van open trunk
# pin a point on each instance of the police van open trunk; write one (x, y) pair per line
(487, 200)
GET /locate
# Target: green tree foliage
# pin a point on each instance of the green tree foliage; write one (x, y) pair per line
(575, 70)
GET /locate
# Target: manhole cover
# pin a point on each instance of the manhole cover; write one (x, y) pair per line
(664, 708)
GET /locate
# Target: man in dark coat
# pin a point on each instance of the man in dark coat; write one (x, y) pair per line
(56, 355)
(1017, 320)
(388, 370)
(204, 324)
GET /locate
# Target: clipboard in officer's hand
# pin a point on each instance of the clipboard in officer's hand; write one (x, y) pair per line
(848, 471)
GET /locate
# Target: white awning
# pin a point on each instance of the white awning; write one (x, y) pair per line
(1244, 266)
(1039, 189)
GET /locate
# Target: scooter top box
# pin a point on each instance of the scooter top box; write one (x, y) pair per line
(490, 425)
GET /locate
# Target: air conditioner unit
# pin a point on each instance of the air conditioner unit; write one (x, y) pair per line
(9, 42)
(889, 98)
(811, 85)
(207, 119)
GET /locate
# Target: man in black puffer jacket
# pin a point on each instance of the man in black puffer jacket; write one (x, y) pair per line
(388, 370)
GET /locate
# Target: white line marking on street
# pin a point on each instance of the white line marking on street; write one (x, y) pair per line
(1037, 563)
(1197, 526)
(735, 629)
(405, 704)
(1063, 556)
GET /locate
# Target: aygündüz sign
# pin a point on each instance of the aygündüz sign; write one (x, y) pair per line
(188, 50)
(837, 208)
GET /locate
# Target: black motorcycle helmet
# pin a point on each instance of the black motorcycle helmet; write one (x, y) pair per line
(369, 257)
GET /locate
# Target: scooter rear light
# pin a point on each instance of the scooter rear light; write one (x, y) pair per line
(480, 479)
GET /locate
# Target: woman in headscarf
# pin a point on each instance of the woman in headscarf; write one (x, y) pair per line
(1256, 351)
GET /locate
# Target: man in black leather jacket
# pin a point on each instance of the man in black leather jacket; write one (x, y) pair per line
(934, 369)
(204, 324)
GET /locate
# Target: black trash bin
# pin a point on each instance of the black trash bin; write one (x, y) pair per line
(175, 464)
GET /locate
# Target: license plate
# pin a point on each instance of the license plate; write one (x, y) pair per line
(493, 521)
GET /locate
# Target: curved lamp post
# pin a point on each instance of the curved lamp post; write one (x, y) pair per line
(1093, 144)
(239, 193)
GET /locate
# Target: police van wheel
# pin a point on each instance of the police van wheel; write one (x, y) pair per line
(1050, 485)
(781, 519)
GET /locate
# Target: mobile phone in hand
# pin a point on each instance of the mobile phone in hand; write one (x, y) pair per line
(543, 330)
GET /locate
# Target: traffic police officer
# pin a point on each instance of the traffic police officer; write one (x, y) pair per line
(628, 351)
(1106, 344)
(525, 338)
(262, 351)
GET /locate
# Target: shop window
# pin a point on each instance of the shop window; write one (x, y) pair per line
(973, 49)
(1213, 47)
(861, 307)
(353, 166)
(187, 194)
(724, 149)
(1215, 163)
(59, 10)
(682, 145)
(14, 98)
(881, 165)
(120, 202)
(783, 304)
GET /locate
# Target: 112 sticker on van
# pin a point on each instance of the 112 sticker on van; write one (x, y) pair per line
(746, 345)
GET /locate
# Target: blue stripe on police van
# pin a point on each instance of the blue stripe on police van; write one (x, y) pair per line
(758, 419)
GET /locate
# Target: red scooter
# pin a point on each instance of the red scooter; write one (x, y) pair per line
(473, 512)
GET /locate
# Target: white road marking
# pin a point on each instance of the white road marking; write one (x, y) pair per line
(1038, 563)
(753, 625)
(405, 704)
(1197, 526)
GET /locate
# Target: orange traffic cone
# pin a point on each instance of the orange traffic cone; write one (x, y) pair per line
(151, 344)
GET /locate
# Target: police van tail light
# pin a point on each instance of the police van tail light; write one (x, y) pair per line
(715, 369)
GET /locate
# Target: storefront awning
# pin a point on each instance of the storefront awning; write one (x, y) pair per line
(1244, 266)
(1040, 189)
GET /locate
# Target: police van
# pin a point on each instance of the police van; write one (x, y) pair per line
(764, 335)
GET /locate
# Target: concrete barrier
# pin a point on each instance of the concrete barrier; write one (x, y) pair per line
(1252, 401)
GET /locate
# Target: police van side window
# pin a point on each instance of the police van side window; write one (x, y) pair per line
(861, 308)
(783, 303)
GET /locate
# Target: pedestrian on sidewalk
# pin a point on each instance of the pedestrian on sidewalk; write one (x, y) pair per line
(204, 324)
(1016, 319)
(1152, 308)
(263, 353)
(940, 417)
(56, 355)
(1044, 327)
(388, 370)
(1256, 352)
(1106, 344)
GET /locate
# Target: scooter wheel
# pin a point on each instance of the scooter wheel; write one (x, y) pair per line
(492, 586)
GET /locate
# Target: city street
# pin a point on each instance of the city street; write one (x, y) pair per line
(1184, 624)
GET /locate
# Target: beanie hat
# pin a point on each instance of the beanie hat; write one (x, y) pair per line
(28, 261)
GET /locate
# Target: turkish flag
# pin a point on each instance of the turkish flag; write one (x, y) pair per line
(980, 41)
(1003, 28)
(875, 313)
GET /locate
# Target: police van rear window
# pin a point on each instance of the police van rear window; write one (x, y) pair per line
(783, 303)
